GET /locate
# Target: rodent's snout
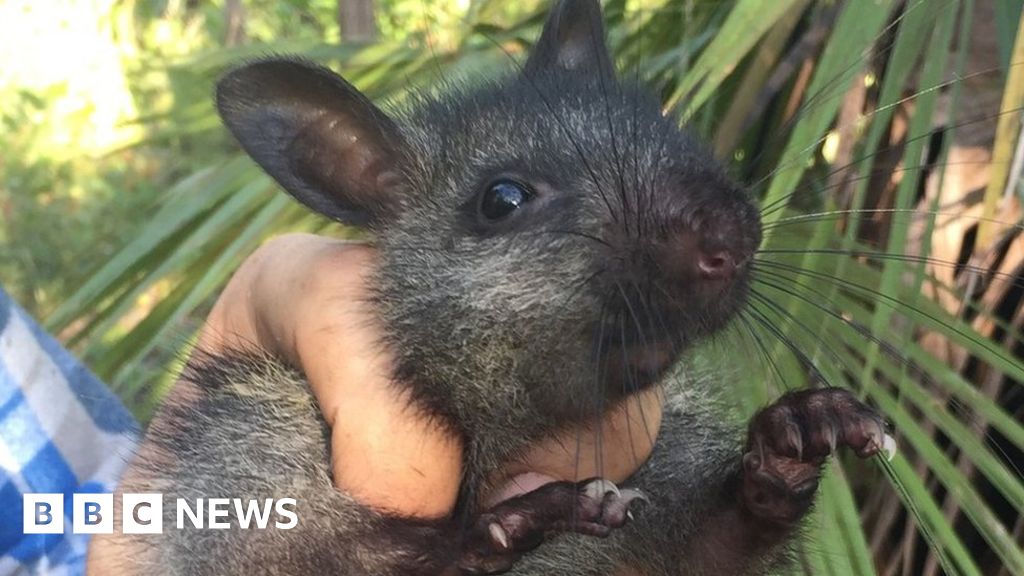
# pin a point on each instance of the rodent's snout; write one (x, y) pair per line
(719, 265)
(717, 261)
(678, 276)
(679, 281)
(722, 250)
(710, 251)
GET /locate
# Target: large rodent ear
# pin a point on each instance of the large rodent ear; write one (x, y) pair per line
(572, 39)
(318, 136)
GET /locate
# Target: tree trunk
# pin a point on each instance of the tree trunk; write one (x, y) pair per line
(234, 19)
(356, 20)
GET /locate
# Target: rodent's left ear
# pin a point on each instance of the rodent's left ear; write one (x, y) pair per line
(572, 40)
(318, 136)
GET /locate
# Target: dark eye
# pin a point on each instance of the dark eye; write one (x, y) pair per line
(503, 198)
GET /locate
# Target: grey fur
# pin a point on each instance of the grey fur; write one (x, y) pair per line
(499, 331)
(258, 432)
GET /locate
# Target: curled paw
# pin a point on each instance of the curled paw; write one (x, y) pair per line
(500, 535)
(789, 441)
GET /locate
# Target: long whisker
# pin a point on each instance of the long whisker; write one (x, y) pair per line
(838, 214)
(849, 365)
(598, 347)
(820, 190)
(784, 200)
(894, 304)
(887, 347)
(1011, 279)
(766, 356)
(784, 315)
(877, 110)
(812, 369)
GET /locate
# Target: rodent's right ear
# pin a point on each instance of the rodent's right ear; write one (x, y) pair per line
(318, 136)
(572, 40)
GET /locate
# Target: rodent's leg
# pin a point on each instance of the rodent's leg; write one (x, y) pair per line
(789, 441)
(765, 494)
(244, 426)
(716, 509)
(695, 455)
(498, 537)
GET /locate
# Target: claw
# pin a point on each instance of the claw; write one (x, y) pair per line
(599, 488)
(833, 439)
(888, 447)
(793, 437)
(628, 495)
(616, 510)
(499, 536)
(513, 527)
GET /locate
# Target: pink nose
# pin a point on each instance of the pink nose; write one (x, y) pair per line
(717, 265)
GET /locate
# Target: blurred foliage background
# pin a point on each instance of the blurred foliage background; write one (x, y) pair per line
(883, 138)
(99, 114)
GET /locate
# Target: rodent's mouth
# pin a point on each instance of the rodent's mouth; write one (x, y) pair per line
(643, 336)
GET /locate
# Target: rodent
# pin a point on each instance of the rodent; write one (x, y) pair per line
(550, 244)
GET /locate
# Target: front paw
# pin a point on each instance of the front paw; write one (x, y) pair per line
(789, 441)
(499, 536)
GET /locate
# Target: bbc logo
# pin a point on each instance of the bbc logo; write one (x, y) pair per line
(144, 513)
(92, 513)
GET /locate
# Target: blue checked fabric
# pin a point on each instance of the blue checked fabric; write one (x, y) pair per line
(61, 431)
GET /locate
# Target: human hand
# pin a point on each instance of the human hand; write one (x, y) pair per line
(304, 299)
